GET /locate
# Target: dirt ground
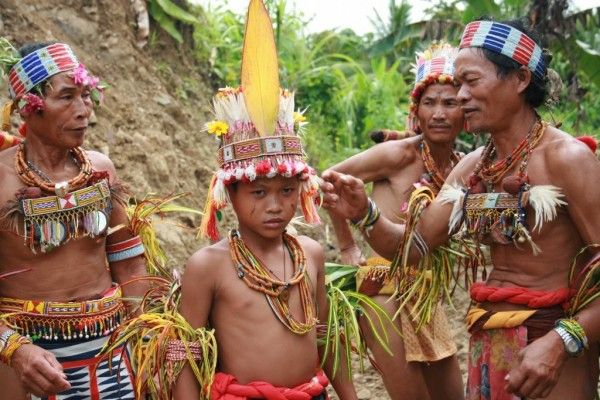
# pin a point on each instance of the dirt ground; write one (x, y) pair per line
(151, 122)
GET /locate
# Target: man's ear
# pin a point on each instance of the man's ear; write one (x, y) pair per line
(524, 77)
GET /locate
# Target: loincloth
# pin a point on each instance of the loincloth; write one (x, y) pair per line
(75, 332)
(433, 341)
(498, 337)
(226, 387)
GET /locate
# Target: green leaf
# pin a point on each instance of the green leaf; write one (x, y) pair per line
(165, 22)
(177, 12)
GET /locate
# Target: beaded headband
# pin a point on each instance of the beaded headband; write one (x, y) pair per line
(40, 65)
(257, 127)
(506, 40)
(434, 65)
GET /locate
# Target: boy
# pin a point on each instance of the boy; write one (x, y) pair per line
(266, 349)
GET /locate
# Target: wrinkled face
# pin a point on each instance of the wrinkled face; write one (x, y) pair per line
(67, 108)
(439, 114)
(487, 100)
(266, 205)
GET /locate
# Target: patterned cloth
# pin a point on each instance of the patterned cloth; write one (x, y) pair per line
(434, 341)
(495, 344)
(492, 354)
(91, 378)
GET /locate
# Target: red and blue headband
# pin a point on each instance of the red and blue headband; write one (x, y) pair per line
(506, 40)
(40, 65)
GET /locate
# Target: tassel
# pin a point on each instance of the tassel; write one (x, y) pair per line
(7, 110)
(308, 195)
(208, 227)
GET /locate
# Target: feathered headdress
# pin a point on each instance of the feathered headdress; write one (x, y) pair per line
(434, 65)
(256, 125)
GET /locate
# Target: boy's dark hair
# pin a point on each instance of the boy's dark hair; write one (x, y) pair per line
(537, 91)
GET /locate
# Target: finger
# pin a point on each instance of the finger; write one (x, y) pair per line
(55, 377)
(514, 380)
(38, 385)
(537, 392)
(329, 175)
(53, 361)
(527, 387)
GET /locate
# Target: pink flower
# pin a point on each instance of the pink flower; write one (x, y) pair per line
(81, 76)
(31, 103)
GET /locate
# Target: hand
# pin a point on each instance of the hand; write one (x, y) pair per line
(39, 371)
(351, 255)
(540, 364)
(344, 195)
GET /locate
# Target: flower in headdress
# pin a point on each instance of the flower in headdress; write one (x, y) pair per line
(217, 127)
(81, 76)
(31, 103)
(299, 117)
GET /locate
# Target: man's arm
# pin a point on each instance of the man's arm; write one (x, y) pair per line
(576, 171)
(197, 290)
(341, 383)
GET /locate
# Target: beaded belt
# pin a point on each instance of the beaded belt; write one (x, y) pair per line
(50, 320)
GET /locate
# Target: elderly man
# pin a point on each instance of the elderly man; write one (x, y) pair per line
(528, 194)
(62, 253)
(423, 360)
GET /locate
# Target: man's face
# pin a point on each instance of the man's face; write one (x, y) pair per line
(67, 109)
(265, 206)
(487, 100)
(439, 114)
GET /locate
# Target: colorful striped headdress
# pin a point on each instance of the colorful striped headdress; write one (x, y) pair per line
(434, 65)
(257, 127)
(38, 66)
(506, 40)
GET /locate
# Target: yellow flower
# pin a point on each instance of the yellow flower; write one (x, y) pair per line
(298, 117)
(217, 127)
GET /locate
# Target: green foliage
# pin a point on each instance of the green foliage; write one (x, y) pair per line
(167, 14)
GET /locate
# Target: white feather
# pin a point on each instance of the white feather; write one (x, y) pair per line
(545, 199)
(453, 194)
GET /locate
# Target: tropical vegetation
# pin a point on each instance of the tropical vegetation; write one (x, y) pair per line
(355, 84)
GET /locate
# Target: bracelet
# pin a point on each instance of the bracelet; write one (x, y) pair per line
(13, 342)
(177, 350)
(573, 328)
(366, 223)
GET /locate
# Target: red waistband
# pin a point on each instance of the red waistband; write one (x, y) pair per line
(480, 293)
(226, 387)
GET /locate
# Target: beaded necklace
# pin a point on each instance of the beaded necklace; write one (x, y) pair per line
(434, 176)
(491, 172)
(31, 175)
(256, 276)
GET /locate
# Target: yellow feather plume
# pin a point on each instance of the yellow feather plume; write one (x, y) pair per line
(260, 69)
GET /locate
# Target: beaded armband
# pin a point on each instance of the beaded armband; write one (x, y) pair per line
(129, 248)
(366, 223)
(178, 351)
(11, 341)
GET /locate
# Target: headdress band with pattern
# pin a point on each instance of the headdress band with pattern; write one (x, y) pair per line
(40, 65)
(506, 40)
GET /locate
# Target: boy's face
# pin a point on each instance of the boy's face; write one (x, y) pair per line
(266, 205)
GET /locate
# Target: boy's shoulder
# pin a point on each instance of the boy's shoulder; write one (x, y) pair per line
(311, 247)
(208, 259)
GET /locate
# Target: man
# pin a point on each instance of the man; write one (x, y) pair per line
(423, 360)
(60, 298)
(529, 195)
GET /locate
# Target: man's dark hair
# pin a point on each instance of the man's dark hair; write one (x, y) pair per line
(537, 91)
(28, 48)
